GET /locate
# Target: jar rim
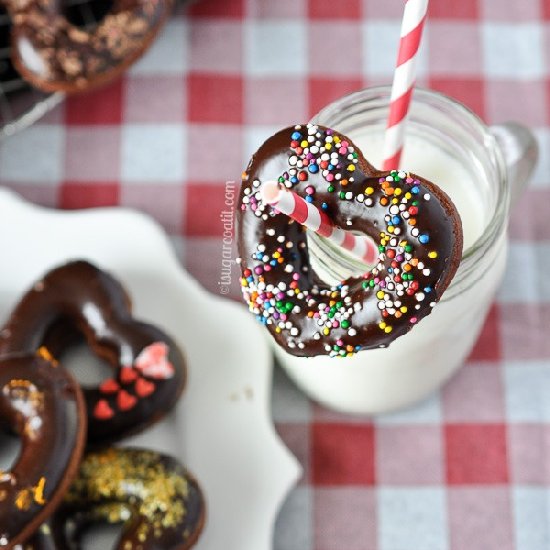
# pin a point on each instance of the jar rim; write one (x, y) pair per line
(493, 228)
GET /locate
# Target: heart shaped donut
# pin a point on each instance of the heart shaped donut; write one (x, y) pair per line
(414, 224)
(54, 55)
(44, 406)
(158, 500)
(81, 299)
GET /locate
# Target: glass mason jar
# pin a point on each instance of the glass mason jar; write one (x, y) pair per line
(495, 163)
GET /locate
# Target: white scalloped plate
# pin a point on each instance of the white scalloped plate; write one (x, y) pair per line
(222, 428)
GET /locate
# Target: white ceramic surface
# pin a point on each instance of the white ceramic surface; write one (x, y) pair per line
(222, 428)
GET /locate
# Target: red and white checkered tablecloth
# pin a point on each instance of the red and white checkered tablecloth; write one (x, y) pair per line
(469, 469)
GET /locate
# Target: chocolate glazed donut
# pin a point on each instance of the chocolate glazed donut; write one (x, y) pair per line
(158, 501)
(43, 405)
(149, 368)
(414, 223)
(55, 55)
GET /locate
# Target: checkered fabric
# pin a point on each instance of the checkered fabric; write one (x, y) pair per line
(469, 469)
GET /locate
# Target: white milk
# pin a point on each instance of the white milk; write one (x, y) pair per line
(440, 168)
(419, 362)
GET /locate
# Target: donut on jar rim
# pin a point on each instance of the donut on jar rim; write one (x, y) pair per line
(149, 370)
(414, 223)
(159, 502)
(44, 406)
(55, 55)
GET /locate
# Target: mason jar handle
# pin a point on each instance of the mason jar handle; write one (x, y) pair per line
(520, 150)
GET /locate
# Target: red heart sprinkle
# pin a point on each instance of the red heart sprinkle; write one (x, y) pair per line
(125, 401)
(109, 386)
(153, 362)
(127, 375)
(103, 410)
(144, 387)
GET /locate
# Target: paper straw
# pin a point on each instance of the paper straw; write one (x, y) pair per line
(404, 78)
(307, 214)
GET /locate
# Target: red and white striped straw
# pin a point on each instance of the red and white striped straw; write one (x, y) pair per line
(404, 79)
(305, 213)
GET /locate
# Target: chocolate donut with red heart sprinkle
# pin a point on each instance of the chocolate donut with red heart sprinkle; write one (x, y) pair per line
(413, 222)
(79, 300)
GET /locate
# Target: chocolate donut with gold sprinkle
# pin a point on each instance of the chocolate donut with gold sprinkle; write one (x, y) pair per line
(159, 503)
(42, 404)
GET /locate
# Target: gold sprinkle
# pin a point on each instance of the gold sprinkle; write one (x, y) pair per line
(45, 353)
(39, 492)
(157, 493)
(27, 400)
(26, 497)
(17, 383)
(23, 500)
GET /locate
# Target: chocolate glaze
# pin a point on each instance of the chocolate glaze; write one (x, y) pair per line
(85, 298)
(368, 311)
(43, 405)
(55, 55)
(157, 499)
